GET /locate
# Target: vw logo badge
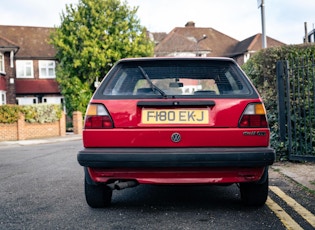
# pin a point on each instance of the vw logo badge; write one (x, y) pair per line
(176, 137)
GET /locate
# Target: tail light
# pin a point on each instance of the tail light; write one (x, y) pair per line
(254, 116)
(97, 117)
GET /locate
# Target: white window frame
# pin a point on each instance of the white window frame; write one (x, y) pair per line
(2, 68)
(3, 97)
(246, 57)
(47, 67)
(23, 67)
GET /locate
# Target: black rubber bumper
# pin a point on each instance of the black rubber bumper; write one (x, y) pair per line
(175, 157)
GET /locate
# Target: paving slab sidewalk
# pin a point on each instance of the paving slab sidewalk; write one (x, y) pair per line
(301, 173)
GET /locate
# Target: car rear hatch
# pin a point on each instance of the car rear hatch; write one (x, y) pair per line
(198, 103)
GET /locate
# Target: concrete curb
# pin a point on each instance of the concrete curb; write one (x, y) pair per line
(68, 137)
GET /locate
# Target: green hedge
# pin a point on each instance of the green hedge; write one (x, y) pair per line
(39, 113)
(261, 69)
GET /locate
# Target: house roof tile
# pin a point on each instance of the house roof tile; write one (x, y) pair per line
(158, 36)
(33, 41)
(176, 42)
(254, 43)
(6, 43)
(185, 39)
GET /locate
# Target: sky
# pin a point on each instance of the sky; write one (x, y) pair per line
(239, 19)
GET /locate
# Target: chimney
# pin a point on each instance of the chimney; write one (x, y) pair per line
(190, 24)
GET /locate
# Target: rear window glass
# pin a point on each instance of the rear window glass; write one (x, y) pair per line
(176, 78)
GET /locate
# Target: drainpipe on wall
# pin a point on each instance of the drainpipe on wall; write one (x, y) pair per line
(11, 91)
(12, 59)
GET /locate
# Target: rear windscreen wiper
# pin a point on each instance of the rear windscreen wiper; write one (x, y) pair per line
(153, 87)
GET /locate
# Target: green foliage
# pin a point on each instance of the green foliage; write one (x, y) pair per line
(261, 69)
(93, 36)
(9, 113)
(40, 113)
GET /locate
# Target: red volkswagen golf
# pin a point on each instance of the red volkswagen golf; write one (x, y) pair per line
(175, 121)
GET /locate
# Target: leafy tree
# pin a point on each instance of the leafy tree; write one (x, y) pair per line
(94, 35)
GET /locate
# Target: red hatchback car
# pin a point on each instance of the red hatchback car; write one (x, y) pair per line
(175, 121)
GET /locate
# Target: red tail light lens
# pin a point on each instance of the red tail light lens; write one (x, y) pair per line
(97, 117)
(98, 122)
(254, 116)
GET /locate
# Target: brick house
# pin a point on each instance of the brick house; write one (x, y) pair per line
(27, 66)
(208, 42)
(246, 48)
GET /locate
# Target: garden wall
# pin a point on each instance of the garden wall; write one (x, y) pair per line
(22, 130)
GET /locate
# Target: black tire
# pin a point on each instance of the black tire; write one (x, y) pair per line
(97, 196)
(256, 193)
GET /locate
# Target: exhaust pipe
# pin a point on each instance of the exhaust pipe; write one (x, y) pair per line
(119, 185)
(126, 184)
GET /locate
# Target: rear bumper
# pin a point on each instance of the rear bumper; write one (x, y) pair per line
(112, 158)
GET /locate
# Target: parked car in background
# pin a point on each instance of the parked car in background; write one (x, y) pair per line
(175, 121)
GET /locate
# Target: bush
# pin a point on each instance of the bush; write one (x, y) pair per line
(261, 69)
(39, 113)
(9, 113)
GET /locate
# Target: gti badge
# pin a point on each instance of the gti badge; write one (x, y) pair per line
(254, 133)
(176, 137)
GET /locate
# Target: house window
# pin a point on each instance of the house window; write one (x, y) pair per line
(27, 100)
(53, 100)
(47, 69)
(2, 97)
(24, 69)
(2, 70)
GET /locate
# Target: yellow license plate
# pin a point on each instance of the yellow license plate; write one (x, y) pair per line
(175, 116)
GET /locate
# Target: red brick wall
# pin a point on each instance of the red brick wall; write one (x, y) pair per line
(8, 132)
(23, 130)
(77, 122)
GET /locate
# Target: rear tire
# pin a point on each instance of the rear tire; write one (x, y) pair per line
(256, 193)
(97, 196)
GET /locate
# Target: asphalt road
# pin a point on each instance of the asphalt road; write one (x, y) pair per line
(41, 187)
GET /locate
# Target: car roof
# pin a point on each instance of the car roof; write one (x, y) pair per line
(176, 59)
